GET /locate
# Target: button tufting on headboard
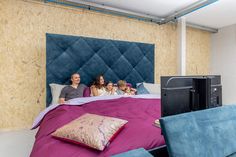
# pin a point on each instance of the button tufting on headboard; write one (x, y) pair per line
(130, 61)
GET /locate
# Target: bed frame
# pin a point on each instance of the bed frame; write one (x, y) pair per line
(116, 60)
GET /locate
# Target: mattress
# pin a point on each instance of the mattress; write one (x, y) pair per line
(140, 131)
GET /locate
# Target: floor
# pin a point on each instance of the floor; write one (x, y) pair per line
(16, 143)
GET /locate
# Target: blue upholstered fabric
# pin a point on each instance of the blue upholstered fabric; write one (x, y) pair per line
(141, 89)
(206, 133)
(130, 61)
(232, 155)
(141, 152)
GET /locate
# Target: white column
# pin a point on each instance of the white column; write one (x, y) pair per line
(181, 46)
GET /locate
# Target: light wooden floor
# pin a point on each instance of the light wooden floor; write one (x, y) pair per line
(16, 143)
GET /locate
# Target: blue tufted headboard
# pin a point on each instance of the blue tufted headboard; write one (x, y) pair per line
(116, 60)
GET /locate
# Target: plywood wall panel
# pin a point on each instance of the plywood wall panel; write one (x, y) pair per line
(23, 24)
(198, 52)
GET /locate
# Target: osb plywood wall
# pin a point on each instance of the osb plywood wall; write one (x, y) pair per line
(198, 52)
(23, 25)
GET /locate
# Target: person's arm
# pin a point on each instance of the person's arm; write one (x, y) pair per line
(113, 91)
(120, 92)
(133, 89)
(62, 96)
(94, 90)
(61, 100)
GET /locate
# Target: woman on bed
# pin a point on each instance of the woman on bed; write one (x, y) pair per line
(98, 88)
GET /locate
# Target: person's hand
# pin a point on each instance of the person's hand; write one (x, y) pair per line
(62, 101)
(133, 89)
(132, 93)
(65, 102)
(113, 90)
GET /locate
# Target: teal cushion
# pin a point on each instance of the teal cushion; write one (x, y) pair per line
(232, 155)
(141, 89)
(204, 133)
(135, 153)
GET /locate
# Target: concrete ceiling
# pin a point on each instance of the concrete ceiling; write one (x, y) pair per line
(217, 15)
(160, 8)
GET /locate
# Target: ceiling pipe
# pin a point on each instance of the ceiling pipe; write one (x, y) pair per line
(139, 16)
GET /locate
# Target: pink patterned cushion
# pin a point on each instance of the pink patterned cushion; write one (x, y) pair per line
(91, 130)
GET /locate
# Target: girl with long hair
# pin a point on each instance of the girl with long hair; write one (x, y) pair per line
(98, 88)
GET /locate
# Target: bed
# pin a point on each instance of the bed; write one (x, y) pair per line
(117, 60)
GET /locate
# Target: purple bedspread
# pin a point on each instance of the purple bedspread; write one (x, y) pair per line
(138, 132)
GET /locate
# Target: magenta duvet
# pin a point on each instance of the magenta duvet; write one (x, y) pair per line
(138, 132)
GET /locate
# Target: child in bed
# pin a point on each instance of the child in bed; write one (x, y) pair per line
(123, 89)
(130, 91)
(110, 89)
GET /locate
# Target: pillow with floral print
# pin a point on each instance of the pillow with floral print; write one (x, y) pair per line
(91, 130)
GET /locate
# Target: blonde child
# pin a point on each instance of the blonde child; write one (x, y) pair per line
(123, 89)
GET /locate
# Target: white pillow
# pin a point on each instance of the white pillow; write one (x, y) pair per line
(56, 91)
(153, 88)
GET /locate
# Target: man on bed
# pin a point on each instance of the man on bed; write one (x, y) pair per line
(72, 91)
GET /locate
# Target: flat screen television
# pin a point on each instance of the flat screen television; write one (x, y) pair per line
(180, 94)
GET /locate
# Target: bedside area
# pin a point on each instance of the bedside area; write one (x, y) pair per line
(16, 143)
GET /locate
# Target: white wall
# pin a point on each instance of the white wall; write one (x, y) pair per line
(223, 61)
